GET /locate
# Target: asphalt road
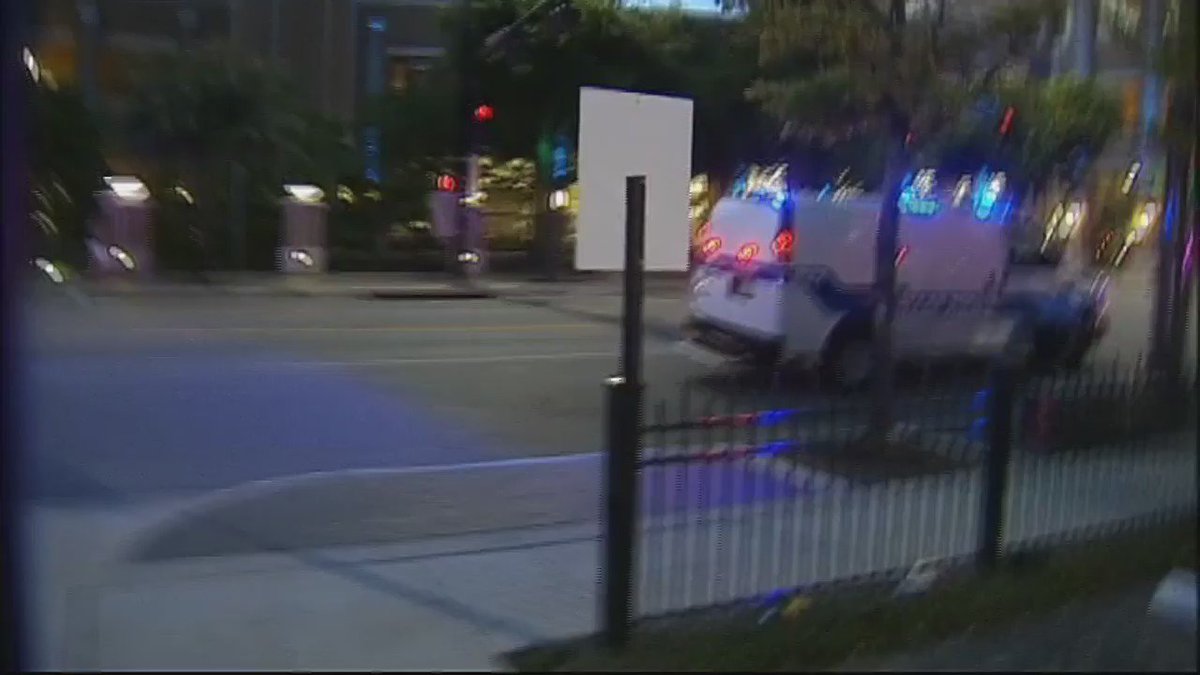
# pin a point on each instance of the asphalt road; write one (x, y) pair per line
(141, 397)
(138, 397)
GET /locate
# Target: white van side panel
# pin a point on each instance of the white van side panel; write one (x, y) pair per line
(836, 240)
(953, 268)
(949, 253)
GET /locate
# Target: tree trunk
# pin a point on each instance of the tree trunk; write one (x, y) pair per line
(886, 244)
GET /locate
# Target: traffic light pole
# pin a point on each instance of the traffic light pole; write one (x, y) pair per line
(549, 225)
(469, 91)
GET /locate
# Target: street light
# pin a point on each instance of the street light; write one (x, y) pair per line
(49, 269)
(127, 188)
(301, 256)
(31, 64)
(559, 199)
(307, 194)
(120, 255)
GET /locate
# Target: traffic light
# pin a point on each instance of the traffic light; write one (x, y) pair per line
(484, 113)
(446, 183)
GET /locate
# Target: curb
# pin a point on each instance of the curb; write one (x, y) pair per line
(210, 509)
(508, 290)
(431, 294)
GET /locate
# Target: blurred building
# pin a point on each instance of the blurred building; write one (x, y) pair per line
(337, 50)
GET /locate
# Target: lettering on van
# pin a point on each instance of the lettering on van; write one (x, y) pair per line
(822, 284)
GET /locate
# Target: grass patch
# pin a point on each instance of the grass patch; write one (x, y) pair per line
(840, 626)
(874, 461)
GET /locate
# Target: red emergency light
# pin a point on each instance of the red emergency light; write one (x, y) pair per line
(1007, 121)
(447, 183)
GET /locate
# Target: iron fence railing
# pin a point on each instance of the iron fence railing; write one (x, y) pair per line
(739, 500)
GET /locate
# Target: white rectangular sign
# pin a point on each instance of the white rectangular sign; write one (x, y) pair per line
(623, 133)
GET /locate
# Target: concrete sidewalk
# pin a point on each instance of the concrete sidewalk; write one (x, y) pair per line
(437, 604)
(114, 593)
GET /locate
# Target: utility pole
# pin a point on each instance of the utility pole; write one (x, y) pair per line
(886, 243)
(470, 104)
(468, 138)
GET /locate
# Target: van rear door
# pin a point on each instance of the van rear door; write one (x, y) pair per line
(739, 282)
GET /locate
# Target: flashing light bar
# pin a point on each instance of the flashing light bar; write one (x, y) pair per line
(988, 190)
(916, 197)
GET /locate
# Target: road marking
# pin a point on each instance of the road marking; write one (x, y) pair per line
(401, 361)
(466, 328)
(483, 359)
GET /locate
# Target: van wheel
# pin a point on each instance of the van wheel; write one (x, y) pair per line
(848, 364)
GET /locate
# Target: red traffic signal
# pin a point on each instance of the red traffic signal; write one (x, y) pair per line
(484, 113)
(447, 183)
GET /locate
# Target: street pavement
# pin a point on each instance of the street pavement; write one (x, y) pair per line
(150, 417)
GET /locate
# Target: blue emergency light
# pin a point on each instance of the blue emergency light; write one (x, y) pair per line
(988, 189)
(917, 197)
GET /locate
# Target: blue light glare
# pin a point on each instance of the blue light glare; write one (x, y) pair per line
(763, 184)
(916, 195)
(988, 189)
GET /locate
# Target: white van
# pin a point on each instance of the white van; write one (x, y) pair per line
(773, 288)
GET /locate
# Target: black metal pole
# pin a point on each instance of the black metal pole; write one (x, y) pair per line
(635, 235)
(623, 399)
(995, 477)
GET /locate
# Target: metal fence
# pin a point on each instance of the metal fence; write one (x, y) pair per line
(740, 500)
